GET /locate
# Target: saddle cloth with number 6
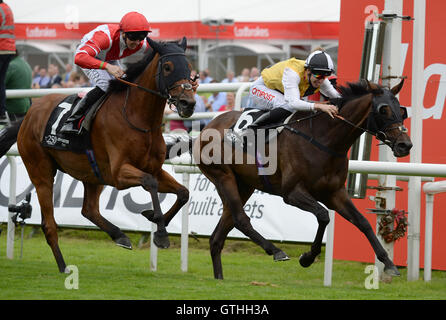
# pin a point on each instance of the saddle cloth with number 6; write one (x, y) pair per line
(237, 131)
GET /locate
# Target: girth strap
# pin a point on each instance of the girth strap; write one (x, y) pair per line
(315, 142)
(91, 158)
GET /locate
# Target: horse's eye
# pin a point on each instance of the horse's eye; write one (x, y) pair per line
(383, 110)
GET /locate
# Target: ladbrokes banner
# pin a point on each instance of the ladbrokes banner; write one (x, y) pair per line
(269, 215)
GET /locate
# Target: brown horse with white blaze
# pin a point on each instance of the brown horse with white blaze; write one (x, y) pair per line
(312, 167)
(126, 136)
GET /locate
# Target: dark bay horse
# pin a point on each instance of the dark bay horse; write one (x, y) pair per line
(127, 140)
(312, 166)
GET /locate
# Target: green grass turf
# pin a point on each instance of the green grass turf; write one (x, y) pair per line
(107, 271)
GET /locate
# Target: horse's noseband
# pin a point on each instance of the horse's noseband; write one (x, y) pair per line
(382, 136)
(166, 84)
(174, 100)
(376, 124)
(379, 125)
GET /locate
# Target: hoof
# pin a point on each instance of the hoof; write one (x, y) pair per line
(392, 271)
(124, 242)
(306, 260)
(161, 240)
(281, 256)
(149, 214)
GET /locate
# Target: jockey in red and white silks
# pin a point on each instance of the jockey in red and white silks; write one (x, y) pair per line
(99, 56)
(101, 49)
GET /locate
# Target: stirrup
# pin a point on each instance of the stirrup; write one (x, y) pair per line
(260, 121)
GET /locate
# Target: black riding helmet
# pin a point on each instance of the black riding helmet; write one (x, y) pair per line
(319, 62)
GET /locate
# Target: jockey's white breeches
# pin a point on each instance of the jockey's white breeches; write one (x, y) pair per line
(100, 77)
(264, 98)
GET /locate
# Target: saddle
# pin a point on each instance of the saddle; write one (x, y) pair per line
(239, 136)
(77, 143)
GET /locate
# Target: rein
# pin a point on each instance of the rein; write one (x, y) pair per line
(124, 114)
(143, 88)
(167, 96)
(380, 135)
(305, 136)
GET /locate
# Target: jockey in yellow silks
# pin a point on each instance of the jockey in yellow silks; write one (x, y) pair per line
(282, 86)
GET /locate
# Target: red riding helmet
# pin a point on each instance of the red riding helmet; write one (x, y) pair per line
(134, 21)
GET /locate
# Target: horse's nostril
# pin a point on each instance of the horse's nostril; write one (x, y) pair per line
(187, 103)
(407, 145)
(403, 148)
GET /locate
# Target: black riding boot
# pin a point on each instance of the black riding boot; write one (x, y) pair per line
(272, 116)
(81, 109)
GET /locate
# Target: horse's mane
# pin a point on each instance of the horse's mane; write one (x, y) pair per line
(354, 90)
(132, 72)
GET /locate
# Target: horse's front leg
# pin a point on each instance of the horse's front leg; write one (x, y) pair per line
(345, 207)
(167, 184)
(128, 176)
(304, 201)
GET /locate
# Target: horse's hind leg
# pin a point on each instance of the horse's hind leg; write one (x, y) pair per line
(42, 174)
(217, 241)
(90, 210)
(229, 193)
(49, 227)
(224, 226)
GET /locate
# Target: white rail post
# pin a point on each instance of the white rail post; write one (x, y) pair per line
(416, 135)
(12, 201)
(328, 267)
(153, 249)
(428, 237)
(430, 189)
(185, 227)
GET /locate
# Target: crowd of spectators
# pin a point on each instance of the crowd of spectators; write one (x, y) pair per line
(53, 78)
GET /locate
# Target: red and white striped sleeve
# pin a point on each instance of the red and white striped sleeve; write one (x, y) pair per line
(86, 55)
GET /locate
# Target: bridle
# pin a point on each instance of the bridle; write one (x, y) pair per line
(379, 134)
(164, 94)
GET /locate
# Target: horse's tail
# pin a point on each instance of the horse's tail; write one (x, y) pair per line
(8, 136)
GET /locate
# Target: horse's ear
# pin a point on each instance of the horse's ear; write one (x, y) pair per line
(367, 84)
(396, 89)
(183, 43)
(371, 87)
(155, 45)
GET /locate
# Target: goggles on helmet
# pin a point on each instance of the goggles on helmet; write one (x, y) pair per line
(136, 35)
(320, 74)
